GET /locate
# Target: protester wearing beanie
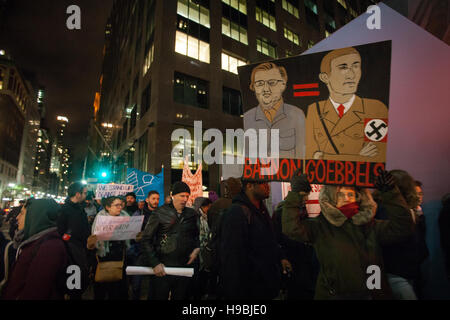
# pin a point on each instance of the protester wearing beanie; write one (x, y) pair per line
(171, 239)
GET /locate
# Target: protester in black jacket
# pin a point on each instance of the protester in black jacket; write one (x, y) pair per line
(73, 225)
(250, 258)
(402, 260)
(171, 238)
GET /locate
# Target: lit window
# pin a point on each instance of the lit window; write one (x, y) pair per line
(230, 63)
(266, 19)
(263, 46)
(149, 59)
(194, 12)
(291, 8)
(240, 5)
(342, 3)
(291, 36)
(193, 47)
(234, 30)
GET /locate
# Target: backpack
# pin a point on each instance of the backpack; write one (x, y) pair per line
(210, 252)
(75, 256)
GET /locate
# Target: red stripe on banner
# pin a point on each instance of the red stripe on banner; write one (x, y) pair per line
(312, 201)
(306, 86)
(306, 94)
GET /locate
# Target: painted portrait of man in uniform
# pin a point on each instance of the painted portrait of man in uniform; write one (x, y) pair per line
(268, 82)
(345, 127)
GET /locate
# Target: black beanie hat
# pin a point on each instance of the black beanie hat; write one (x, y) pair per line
(179, 187)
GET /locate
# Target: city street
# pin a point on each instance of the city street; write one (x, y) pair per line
(225, 150)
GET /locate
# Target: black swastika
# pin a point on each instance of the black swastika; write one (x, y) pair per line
(376, 130)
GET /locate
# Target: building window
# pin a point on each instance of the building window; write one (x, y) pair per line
(191, 47)
(311, 5)
(146, 99)
(191, 91)
(143, 152)
(240, 5)
(291, 7)
(311, 13)
(289, 53)
(196, 12)
(1, 78)
(310, 44)
(263, 46)
(232, 102)
(234, 31)
(266, 19)
(291, 36)
(148, 59)
(352, 12)
(231, 64)
(330, 24)
(342, 3)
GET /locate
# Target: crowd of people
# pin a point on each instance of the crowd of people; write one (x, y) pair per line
(237, 247)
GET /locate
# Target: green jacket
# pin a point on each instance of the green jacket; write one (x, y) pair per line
(346, 247)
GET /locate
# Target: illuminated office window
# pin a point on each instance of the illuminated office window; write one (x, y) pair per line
(148, 59)
(192, 40)
(263, 46)
(240, 5)
(291, 8)
(265, 18)
(291, 36)
(230, 63)
(342, 3)
(194, 12)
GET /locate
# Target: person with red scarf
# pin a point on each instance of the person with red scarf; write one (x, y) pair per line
(346, 238)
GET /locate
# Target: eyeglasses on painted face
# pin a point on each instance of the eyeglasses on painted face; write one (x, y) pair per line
(271, 82)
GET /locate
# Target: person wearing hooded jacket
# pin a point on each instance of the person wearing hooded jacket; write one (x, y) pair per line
(41, 255)
(346, 238)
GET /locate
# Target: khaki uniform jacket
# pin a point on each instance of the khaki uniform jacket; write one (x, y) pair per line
(347, 133)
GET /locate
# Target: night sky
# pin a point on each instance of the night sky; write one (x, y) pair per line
(67, 62)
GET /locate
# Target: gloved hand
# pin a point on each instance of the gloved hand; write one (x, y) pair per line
(384, 181)
(300, 183)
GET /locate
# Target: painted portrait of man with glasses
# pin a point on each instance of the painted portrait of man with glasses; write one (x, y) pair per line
(268, 82)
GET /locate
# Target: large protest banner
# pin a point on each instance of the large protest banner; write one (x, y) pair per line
(117, 228)
(144, 182)
(331, 112)
(109, 190)
(194, 181)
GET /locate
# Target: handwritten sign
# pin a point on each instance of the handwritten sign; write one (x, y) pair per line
(109, 190)
(117, 228)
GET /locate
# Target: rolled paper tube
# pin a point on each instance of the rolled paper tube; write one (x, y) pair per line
(144, 271)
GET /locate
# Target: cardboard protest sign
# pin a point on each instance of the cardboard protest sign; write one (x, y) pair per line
(329, 109)
(117, 228)
(109, 190)
(144, 182)
(194, 181)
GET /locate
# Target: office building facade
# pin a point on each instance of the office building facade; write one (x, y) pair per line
(168, 63)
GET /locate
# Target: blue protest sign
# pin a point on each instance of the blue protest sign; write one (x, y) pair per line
(145, 182)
